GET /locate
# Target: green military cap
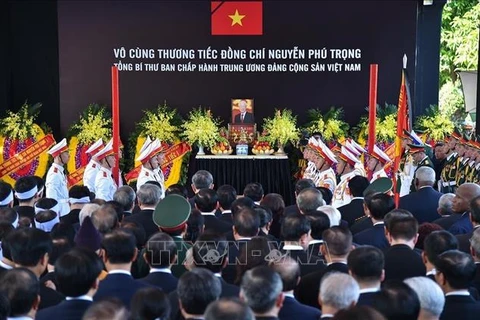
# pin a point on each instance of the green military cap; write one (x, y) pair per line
(381, 185)
(172, 213)
(414, 148)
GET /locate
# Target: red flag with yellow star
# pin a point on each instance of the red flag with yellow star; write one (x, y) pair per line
(237, 18)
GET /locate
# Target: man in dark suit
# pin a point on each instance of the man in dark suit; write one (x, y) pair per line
(401, 261)
(125, 196)
(319, 222)
(299, 186)
(244, 117)
(464, 239)
(423, 203)
(78, 197)
(202, 257)
(337, 243)
(119, 251)
(332, 299)
(378, 206)
(6, 262)
(202, 179)
(160, 254)
(289, 271)
(448, 217)
(30, 248)
(21, 288)
(434, 245)
(226, 196)
(296, 235)
(461, 204)
(246, 224)
(77, 273)
(366, 265)
(354, 210)
(261, 289)
(26, 191)
(455, 271)
(148, 196)
(206, 201)
(196, 290)
(475, 252)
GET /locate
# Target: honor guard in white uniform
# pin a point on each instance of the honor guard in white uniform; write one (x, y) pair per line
(325, 159)
(355, 152)
(309, 156)
(346, 170)
(105, 185)
(377, 162)
(150, 166)
(56, 181)
(93, 165)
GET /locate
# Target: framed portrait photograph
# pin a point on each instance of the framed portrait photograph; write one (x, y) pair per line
(242, 111)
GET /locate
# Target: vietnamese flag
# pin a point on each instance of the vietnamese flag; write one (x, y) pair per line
(237, 18)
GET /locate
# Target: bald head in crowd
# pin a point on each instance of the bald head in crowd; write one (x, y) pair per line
(464, 194)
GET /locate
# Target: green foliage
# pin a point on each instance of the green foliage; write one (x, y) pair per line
(385, 124)
(95, 122)
(459, 38)
(435, 124)
(331, 124)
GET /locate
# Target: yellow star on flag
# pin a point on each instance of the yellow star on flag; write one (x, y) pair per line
(236, 18)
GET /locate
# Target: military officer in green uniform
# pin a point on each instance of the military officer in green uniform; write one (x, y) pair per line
(171, 215)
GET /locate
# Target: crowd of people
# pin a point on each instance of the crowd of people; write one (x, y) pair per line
(344, 250)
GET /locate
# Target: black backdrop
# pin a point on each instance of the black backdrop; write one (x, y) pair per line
(30, 67)
(90, 31)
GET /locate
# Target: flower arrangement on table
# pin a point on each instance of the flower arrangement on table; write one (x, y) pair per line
(94, 123)
(162, 123)
(201, 128)
(24, 144)
(331, 124)
(435, 125)
(281, 129)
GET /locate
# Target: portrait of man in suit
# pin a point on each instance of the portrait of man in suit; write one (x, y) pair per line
(242, 111)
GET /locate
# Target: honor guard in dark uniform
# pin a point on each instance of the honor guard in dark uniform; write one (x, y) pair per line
(420, 159)
(447, 183)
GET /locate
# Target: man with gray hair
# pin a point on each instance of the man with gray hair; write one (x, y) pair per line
(125, 195)
(445, 204)
(202, 179)
(430, 295)
(309, 200)
(338, 291)
(422, 203)
(148, 196)
(261, 289)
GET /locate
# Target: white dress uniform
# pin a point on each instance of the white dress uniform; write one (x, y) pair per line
(378, 174)
(147, 174)
(327, 179)
(56, 181)
(92, 168)
(384, 159)
(342, 194)
(105, 185)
